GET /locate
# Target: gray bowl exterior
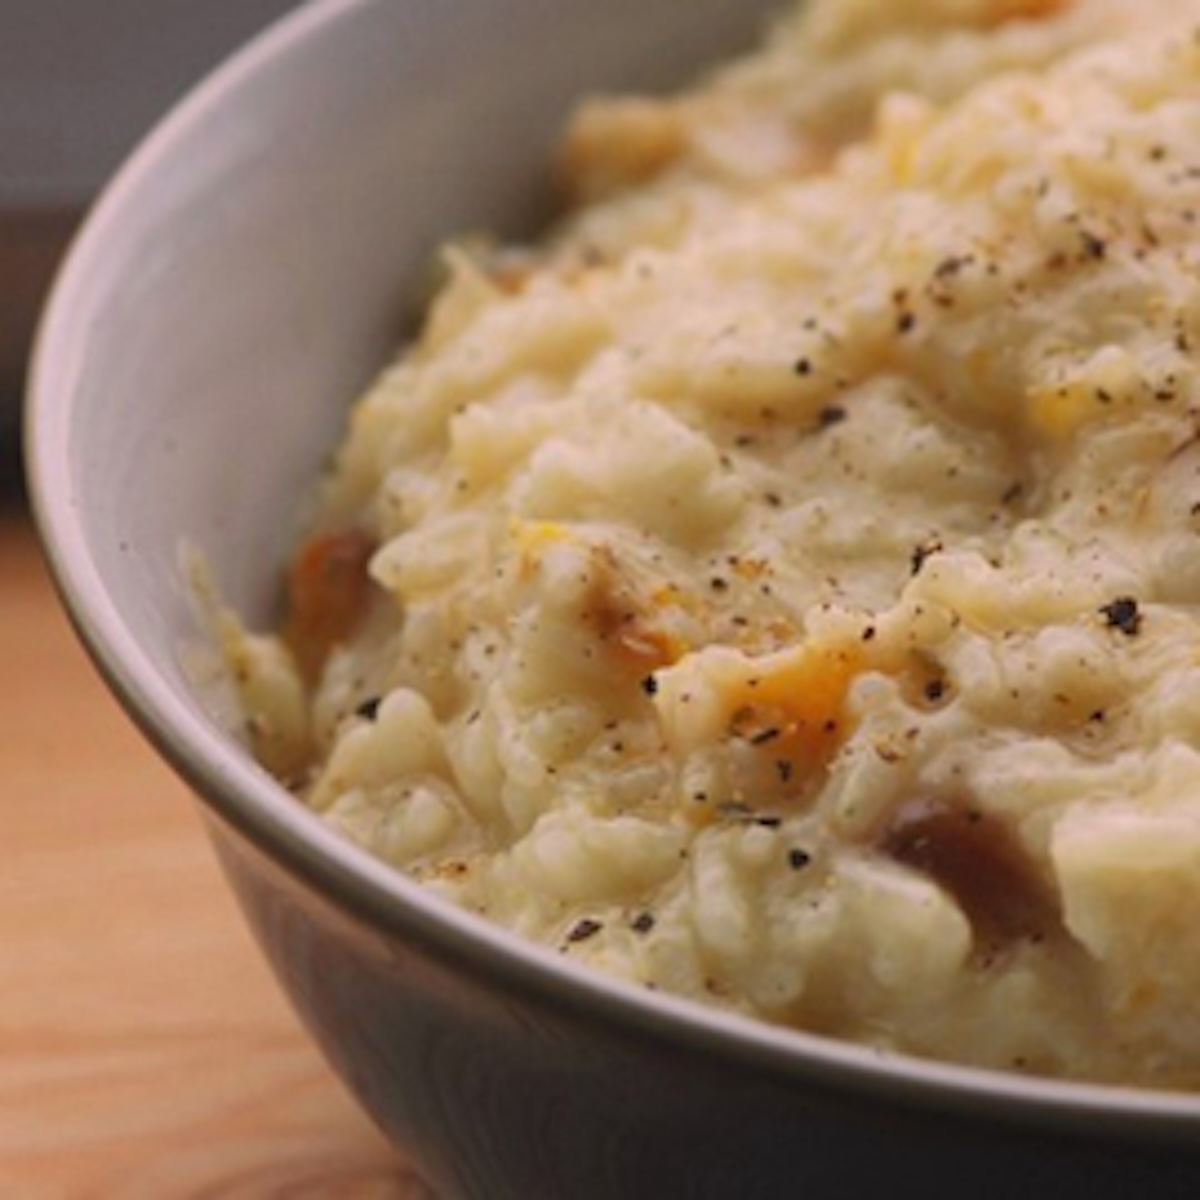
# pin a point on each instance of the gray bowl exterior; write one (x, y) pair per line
(244, 277)
(503, 1094)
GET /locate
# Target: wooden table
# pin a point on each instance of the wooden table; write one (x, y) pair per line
(145, 1054)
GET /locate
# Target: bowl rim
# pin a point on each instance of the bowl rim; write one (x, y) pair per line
(244, 797)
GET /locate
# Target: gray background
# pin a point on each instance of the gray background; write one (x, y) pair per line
(80, 82)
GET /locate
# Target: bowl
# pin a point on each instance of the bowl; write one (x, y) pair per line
(246, 274)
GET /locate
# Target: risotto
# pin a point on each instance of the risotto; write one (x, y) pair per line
(780, 585)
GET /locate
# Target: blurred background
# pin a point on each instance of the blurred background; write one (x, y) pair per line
(80, 82)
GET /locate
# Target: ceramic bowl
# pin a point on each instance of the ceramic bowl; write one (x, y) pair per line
(245, 275)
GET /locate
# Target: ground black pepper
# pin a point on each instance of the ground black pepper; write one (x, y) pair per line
(584, 929)
(798, 859)
(1093, 246)
(924, 551)
(1123, 614)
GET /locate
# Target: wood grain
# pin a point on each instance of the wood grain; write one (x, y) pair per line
(144, 1051)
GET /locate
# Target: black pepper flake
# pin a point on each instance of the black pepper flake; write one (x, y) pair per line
(951, 266)
(764, 736)
(798, 859)
(831, 414)
(906, 322)
(642, 923)
(868, 634)
(650, 685)
(369, 709)
(803, 367)
(935, 689)
(584, 929)
(1122, 613)
(923, 552)
(737, 810)
(718, 584)
(1093, 247)
(784, 768)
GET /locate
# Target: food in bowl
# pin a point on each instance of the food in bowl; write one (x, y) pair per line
(779, 586)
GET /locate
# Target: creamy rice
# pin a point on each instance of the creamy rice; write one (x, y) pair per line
(780, 586)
